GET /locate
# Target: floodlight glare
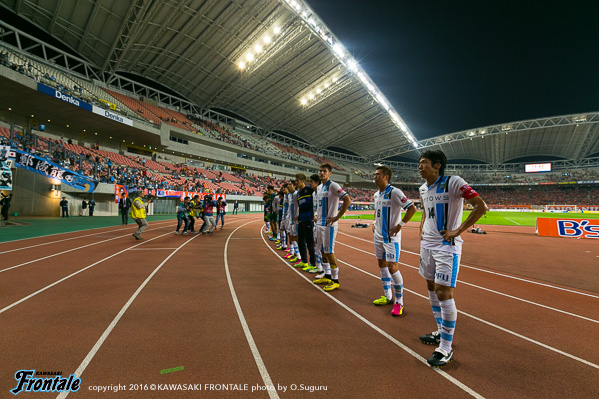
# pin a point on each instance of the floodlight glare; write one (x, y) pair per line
(267, 39)
(311, 96)
(352, 65)
(249, 56)
(311, 21)
(304, 101)
(338, 49)
(258, 48)
(277, 30)
(335, 79)
(318, 91)
(326, 85)
(241, 65)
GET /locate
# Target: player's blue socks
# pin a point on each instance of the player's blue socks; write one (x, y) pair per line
(398, 287)
(436, 306)
(386, 280)
(449, 315)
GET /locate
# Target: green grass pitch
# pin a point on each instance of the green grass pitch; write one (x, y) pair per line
(500, 218)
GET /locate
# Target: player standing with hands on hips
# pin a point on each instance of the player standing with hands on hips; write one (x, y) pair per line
(441, 245)
(388, 203)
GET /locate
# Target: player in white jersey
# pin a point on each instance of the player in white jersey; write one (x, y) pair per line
(314, 182)
(292, 225)
(441, 245)
(283, 222)
(388, 203)
(328, 194)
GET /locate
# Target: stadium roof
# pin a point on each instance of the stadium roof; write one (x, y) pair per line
(272, 62)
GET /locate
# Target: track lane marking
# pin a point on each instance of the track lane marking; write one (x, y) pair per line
(479, 319)
(118, 317)
(490, 290)
(491, 272)
(246, 330)
(444, 374)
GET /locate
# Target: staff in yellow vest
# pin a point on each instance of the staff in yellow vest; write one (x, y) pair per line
(138, 213)
(194, 203)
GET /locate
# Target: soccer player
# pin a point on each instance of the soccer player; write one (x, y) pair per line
(304, 215)
(329, 193)
(441, 245)
(266, 199)
(283, 209)
(291, 226)
(388, 203)
(274, 213)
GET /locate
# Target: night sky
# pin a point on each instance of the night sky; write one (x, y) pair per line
(448, 66)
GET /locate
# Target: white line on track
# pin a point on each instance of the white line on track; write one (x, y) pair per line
(54, 242)
(66, 232)
(246, 330)
(487, 322)
(492, 272)
(513, 221)
(75, 273)
(444, 374)
(71, 250)
(490, 290)
(118, 317)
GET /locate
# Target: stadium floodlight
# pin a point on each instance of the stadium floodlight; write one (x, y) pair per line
(318, 91)
(277, 30)
(311, 96)
(249, 56)
(304, 101)
(338, 49)
(415, 144)
(352, 65)
(258, 48)
(335, 79)
(241, 65)
(267, 39)
(326, 85)
(311, 21)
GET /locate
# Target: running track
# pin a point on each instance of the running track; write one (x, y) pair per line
(231, 311)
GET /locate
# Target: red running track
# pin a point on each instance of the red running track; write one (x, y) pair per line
(232, 312)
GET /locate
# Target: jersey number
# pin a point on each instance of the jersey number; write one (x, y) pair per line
(378, 213)
(431, 212)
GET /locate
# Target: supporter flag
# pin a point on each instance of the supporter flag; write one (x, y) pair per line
(51, 170)
(118, 191)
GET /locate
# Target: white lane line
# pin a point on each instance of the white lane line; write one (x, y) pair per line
(444, 374)
(73, 274)
(116, 319)
(492, 272)
(513, 221)
(246, 329)
(66, 239)
(70, 250)
(151, 249)
(553, 309)
(487, 322)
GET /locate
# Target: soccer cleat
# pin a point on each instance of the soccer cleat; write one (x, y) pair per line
(332, 286)
(288, 256)
(176, 232)
(277, 241)
(322, 280)
(431, 339)
(279, 247)
(382, 301)
(440, 358)
(307, 267)
(321, 275)
(397, 310)
(297, 264)
(315, 270)
(293, 259)
(137, 236)
(210, 232)
(185, 233)
(272, 239)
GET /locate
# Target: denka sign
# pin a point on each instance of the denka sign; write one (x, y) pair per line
(64, 97)
(575, 228)
(112, 115)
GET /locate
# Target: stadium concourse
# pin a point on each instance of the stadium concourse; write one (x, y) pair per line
(174, 99)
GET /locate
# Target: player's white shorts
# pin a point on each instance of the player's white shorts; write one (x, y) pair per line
(292, 228)
(387, 251)
(283, 225)
(439, 266)
(325, 238)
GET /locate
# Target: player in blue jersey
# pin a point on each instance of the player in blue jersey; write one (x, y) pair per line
(388, 203)
(441, 245)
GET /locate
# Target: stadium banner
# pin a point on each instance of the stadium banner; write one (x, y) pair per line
(150, 192)
(589, 208)
(51, 170)
(168, 193)
(64, 97)
(5, 178)
(190, 194)
(562, 227)
(111, 115)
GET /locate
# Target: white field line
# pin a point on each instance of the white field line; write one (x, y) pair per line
(444, 374)
(74, 274)
(69, 250)
(492, 272)
(553, 309)
(118, 317)
(513, 221)
(66, 232)
(246, 329)
(484, 321)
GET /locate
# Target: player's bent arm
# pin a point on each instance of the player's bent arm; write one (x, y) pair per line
(478, 211)
(344, 206)
(409, 214)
